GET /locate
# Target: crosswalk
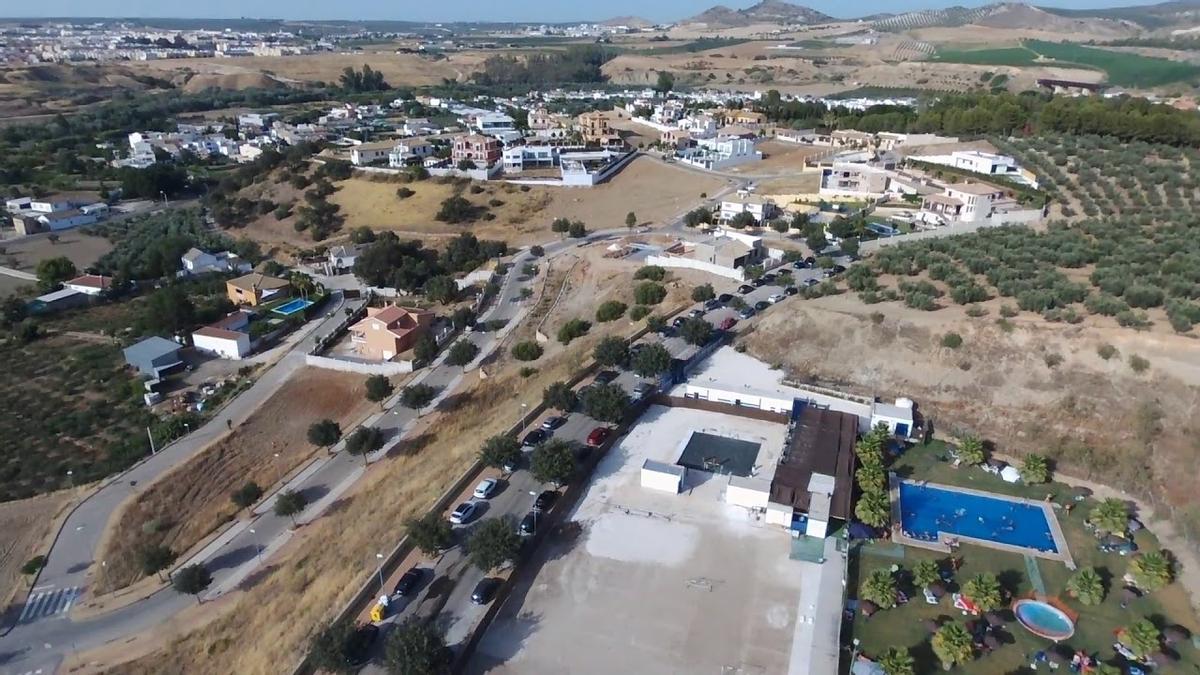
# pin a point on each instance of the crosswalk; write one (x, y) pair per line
(48, 603)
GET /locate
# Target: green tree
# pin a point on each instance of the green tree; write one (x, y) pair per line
(1086, 586)
(426, 348)
(873, 509)
(897, 661)
(441, 289)
(652, 360)
(289, 504)
(560, 225)
(650, 273)
(527, 350)
(415, 647)
(327, 651)
(696, 331)
(324, 433)
(13, 310)
(573, 329)
(500, 450)
(606, 402)
(247, 495)
(971, 452)
(577, 230)
(665, 82)
(742, 220)
(155, 559)
(417, 396)
(880, 588)
(364, 441)
(871, 478)
(631, 220)
(1035, 469)
(560, 397)
(430, 533)
(53, 271)
(553, 462)
(850, 246)
(169, 310)
(379, 388)
(984, 591)
(953, 645)
(493, 543)
(1110, 515)
(703, 293)
(462, 353)
(1151, 571)
(926, 573)
(1143, 637)
(610, 311)
(192, 580)
(649, 293)
(33, 565)
(611, 351)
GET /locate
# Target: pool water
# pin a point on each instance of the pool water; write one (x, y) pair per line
(925, 511)
(1044, 620)
(293, 306)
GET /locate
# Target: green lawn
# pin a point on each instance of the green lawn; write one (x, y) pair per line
(1122, 69)
(1094, 631)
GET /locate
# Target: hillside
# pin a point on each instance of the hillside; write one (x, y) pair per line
(1008, 16)
(1181, 14)
(628, 21)
(767, 11)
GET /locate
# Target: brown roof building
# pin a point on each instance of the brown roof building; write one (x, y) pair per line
(816, 473)
(386, 332)
(254, 289)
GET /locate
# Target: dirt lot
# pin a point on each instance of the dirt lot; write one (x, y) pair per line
(28, 527)
(187, 504)
(1096, 418)
(398, 69)
(82, 249)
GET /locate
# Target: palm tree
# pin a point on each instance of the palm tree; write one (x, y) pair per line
(1151, 571)
(880, 588)
(953, 645)
(1035, 469)
(926, 572)
(1086, 586)
(897, 661)
(1110, 515)
(984, 591)
(871, 478)
(1143, 638)
(970, 451)
(873, 508)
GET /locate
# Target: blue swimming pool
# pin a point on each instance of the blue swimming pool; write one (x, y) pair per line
(926, 510)
(291, 307)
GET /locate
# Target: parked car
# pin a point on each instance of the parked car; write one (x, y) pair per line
(598, 436)
(606, 376)
(528, 524)
(838, 269)
(486, 488)
(759, 282)
(728, 323)
(745, 288)
(463, 513)
(726, 298)
(553, 422)
(485, 590)
(761, 305)
(711, 305)
(790, 290)
(511, 465)
(696, 313)
(778, 297)
(769, 278)
(746, 313)
(810, 282)
(800, 265)
(409, 581)
(810, 261)
(535, 438)
(358, 646)
(1118, 545)
(678, 321)
(829, 273)
(545, 500)
(642, 390)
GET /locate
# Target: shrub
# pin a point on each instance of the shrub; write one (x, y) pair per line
(1106, 351)
(1052, 359)
(610, 311)
(527, 350)
(575, 328)
(404, 193)
(639, 312)
(651, 272)
(1138, 364)
(649, 293)
(952, 340)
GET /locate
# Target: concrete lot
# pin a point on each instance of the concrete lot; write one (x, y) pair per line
(651, 582)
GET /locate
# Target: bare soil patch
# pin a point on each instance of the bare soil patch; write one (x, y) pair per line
(28, 526)
(398, 69)
(187, 504)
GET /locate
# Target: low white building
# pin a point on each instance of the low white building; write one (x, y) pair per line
(854, 180)
(89, 284)
(196, 261)
(761, 208)
(369, 153)
(662, 476)
(986, 163)
(493, 124)
(716, 154)
(523, 157)
(976, 202)
(411, 151)
(225, 343)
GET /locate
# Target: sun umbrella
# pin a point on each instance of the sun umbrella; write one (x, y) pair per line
(938, 589)
(1128, 595)
(1055, 657)
(931, 625)
(991, 642)
(1175, 634)
(993, 619)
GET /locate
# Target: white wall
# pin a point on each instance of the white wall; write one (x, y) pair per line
(346, 366)
(689, 263)
(752, 493)
(223, 347)
(659, 480)
(778, 514)
(743, 399)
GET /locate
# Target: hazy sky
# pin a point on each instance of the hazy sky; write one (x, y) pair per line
(461, 10)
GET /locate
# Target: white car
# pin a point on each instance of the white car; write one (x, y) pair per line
(776, 298)
(463, 513)
(486, 488)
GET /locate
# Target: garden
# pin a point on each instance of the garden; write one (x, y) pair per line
(1129, 598)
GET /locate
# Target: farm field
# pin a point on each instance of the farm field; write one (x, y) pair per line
(82, 249)
(187, 504)
(905, 626)
(1123, 69)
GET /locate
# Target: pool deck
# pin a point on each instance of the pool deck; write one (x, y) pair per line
(1062, 555)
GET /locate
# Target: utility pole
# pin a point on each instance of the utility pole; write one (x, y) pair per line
(151, 437)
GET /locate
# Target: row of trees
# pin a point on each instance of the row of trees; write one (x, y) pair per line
(409, 266)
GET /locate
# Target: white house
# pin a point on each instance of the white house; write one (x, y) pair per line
(89, 284)
(760, 208)
(716, 154)
(369, 153)
(699, 126)
(196, 261)
(228, 344)
(845, 179)
(65, 220)
(411, 151)
(973, 202)
(50, 205)
(18, 205)
(494, 123)
(897, 417)
(418, 126)
(984, 163)
(341, 259)
(522, 157)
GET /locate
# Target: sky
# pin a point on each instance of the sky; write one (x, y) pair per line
(464, 10)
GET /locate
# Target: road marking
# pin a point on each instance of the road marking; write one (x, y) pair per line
(48, 603)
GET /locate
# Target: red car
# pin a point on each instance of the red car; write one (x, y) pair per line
(728, 323)
(598, 436)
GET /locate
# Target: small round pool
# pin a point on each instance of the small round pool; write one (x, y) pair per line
(1043, 619)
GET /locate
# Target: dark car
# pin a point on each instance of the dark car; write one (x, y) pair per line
(485, 590)
(829, 273)
(535, 438)
(791, 290)
(838, 269)
(746, 313)
(358, 645)
(801, 265)
(712, 304)
(728, 323)
(409, 582)
(769, 278)
(528, 524)
(598, 436)
(545, 500)
(606, 376)
(678, 322)
(761, 305)
(553, 422)
(745, 288)
(725, 298)
(759, 282)
(810, 282)
(810, 261)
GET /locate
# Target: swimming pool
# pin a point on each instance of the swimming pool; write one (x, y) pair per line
(291, 307)
(1043, 619)
(926, 511)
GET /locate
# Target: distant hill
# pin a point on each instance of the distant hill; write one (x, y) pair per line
(1182, 13)
(630, 21)
(1009, 15)
(767, 11)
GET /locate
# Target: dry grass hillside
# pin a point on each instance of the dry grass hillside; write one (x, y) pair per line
(398, 69)
(1024, 384)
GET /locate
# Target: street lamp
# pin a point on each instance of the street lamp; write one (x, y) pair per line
(379, 556)
(257, 548)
